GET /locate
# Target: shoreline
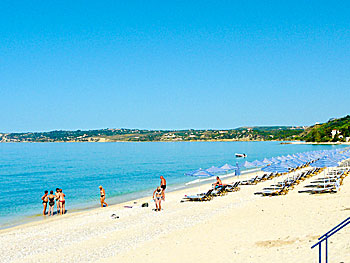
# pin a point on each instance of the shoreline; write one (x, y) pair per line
(129, 198)
(240, 224)
(190, 186)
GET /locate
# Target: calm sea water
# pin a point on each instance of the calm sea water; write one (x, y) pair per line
(126, 170)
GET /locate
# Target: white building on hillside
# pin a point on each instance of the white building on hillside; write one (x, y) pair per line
(334, 132)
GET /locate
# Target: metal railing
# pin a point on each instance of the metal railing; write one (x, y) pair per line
(325, 238)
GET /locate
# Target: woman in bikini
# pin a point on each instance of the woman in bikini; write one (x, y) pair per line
(45, 200)
(158, 195)
(103, 196)
(62, 202)
(51, 203)
(57, 196)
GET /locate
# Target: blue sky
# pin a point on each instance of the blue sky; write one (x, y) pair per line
(172, 64)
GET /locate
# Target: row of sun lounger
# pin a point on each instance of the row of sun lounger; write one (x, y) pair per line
(210, 194)
(282, 188)
(269, 176)
(328, 184)
(257, 179)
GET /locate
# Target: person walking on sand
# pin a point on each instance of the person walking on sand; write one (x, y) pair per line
(103, 196)
(57, 196)
(62, 202)
(158, 195)
(51, 203)
(45, 200)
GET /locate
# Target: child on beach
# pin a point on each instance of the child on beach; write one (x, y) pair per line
(51, 203)
(45, 200)
(158, 195)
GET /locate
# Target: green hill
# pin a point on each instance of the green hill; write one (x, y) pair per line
(323, 132)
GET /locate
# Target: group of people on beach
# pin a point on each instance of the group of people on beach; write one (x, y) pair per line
(158, 194)
(58, 198)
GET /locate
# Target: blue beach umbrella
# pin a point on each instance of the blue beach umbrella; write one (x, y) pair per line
(247, 164)
(290, 157)
(274, 160)
(285, 164)
(266, 161)
(215, 170)
(298, 161)
(228, 167)
(275, 169)
(258, 163)
(325, 162)
(200, 173)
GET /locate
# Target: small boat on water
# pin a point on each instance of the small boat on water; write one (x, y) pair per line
(241, 155)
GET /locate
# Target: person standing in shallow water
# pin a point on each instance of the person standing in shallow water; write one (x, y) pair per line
(45, 200)
(57, 194)
(103, 196)
(62, 202)
(51, 203)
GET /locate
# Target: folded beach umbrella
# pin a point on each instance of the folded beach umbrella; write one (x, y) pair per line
(215, 170)
(238, 170)
(228, 167)
(200, 173)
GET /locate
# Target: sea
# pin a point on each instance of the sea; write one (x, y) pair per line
(127, 170)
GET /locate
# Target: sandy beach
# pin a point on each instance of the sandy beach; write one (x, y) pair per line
(237, 227)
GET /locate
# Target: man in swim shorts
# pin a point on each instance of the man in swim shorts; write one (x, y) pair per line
(163, 185)
(103, 196)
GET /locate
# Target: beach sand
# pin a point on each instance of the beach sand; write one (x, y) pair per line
(238, 227)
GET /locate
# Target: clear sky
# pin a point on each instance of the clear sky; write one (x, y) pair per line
(172, 64)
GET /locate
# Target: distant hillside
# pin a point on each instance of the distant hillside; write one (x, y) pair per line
(333, 131)
(111, 135)
(323, 132)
